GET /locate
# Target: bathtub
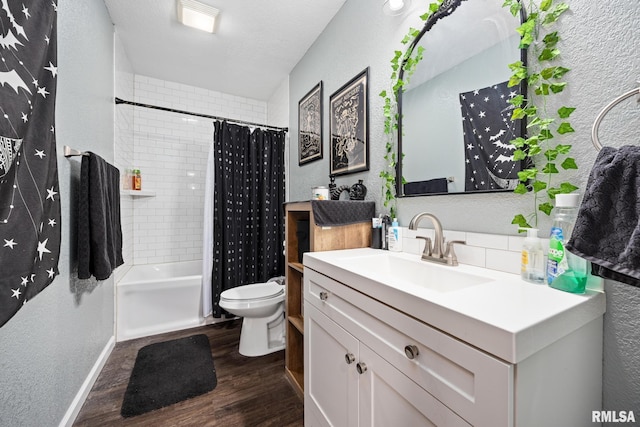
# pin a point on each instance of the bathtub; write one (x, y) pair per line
(157, 298)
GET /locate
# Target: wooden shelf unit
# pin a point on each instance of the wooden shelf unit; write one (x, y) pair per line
(320, 239)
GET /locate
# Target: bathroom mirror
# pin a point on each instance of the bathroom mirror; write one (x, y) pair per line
(454, 123)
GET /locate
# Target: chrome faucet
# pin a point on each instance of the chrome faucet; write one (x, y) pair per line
(435, 253)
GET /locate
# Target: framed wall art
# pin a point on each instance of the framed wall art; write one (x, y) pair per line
(310, 126)
(349, 126)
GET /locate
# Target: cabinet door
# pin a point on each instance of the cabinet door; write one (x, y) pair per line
(331, 379)
(389, 398)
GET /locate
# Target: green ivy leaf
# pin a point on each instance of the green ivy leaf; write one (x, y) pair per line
(539, 186)
(543, 89)
(534, 150)
(519, 155)
(531, 110)
(518, 142)
(518, 113)
(569, 163)
(554, 15)
(563, 149)
(565, 127)
(527, 174)
(567, 187)
(550, 168)
(551, 154)
(517, 100)
(545, 207)
(548, 54)
(558, 87)
(545, 4)
(565, 112)
(559, 72)
(520, 189)
(551, 39)
(520, 221)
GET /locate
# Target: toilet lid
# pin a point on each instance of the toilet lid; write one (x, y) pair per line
(256, 291)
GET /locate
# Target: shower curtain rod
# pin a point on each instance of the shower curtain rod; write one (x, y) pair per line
(189, 113)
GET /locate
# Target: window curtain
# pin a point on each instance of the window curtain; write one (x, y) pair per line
(248, 207)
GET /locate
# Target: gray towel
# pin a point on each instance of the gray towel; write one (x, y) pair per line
(607, 229)
(342, 212)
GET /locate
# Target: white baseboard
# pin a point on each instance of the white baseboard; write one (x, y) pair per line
(81, 396)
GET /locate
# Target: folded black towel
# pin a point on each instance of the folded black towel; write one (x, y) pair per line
(328, 213)
(437, 185)
(607, 229)
(99, 230)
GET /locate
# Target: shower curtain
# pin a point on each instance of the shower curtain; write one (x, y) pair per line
(248, 216)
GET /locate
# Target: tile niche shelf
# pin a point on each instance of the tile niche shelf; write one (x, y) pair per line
(139, 193)
(301, 235)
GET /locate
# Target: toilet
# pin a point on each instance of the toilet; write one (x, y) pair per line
(262, 307)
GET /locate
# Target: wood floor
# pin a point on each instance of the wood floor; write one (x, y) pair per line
(251, 391)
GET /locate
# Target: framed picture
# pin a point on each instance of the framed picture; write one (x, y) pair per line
(349, 126)
(310, 126)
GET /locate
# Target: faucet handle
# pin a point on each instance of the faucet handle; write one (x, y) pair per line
(427, 245)
(450, 254)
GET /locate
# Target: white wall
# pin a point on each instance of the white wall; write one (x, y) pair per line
(49, 347)
(599, 45)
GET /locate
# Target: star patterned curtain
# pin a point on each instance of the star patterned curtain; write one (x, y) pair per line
(29, 192)
(248, 207)
(488, 128)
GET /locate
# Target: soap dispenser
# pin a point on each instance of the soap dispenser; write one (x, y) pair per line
(532, 265)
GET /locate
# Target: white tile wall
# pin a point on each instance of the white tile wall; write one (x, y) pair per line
(123, 150)
(171, 151)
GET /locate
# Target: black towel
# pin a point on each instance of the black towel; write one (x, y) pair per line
(99, 230)
(437, 185)
(607, 229)
(328, 213)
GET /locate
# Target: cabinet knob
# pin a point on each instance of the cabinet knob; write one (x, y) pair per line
(324, 296)
(349, 358)
(411, 351)
(361, 368)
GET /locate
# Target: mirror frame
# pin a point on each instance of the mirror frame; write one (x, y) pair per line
(447, 7)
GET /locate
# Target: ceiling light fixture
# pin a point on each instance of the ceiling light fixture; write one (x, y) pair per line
(197, 15)
(395, 7)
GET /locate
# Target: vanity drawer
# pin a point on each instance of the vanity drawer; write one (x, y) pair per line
(473, 384)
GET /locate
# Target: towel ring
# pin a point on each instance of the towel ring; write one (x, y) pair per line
(605, 110)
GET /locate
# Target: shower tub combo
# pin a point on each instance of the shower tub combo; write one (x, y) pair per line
(157, 298)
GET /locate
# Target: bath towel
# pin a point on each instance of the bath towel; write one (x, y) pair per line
(607, 229)
(327, 213)
(99, 230)
(437, 185)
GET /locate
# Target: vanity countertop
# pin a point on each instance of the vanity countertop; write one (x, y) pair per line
(497, 312)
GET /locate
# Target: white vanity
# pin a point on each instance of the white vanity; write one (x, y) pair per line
(394, 341)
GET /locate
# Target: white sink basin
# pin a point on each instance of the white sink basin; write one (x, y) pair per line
(390, 267)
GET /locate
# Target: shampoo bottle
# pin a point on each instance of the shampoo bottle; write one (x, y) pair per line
(532, 266)
(395, 236)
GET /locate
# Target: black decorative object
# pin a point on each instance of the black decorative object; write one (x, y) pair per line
(357, 191)
(337, 191)
(310, 126)
(349, 126)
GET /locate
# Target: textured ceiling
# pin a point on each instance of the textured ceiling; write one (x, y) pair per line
(257, 44)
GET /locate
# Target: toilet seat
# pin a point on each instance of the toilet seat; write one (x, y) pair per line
(254, 292)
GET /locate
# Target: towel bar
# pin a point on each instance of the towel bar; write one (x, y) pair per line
(605, 110)
(70, 152)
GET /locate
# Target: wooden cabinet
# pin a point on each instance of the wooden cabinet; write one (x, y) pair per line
(302, 234)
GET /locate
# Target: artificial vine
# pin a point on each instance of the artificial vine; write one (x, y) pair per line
(538, 148)
(408, 60)
(544, 78)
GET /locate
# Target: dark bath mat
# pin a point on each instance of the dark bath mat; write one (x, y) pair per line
(169, 372)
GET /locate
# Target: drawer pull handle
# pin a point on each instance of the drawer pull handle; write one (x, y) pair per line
(324, 296)
(361, 368)
(349, 358)
(411, 351)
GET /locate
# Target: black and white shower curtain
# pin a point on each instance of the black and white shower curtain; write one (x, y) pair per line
(248, 207)
(29, 192)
